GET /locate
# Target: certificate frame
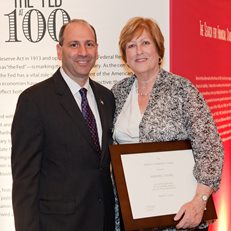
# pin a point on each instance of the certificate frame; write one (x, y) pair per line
(116, 152)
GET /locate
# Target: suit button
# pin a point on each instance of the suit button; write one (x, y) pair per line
(100, 200)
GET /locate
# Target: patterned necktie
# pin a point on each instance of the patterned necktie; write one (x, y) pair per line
(89, 117)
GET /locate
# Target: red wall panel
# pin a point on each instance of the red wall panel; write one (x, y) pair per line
(200, 50)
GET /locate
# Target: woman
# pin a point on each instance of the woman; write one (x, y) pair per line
(154, 105)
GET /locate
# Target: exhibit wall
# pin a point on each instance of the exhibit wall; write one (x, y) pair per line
(29, 31)
(200, 50)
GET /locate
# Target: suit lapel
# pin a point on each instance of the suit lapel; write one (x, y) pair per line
(70, 106)
(102, 113)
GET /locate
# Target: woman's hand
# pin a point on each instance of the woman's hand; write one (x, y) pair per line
(191, 213)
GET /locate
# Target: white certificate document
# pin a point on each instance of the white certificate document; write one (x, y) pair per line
(159, 183)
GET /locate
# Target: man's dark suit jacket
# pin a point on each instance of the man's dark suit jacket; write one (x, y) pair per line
(60, 182)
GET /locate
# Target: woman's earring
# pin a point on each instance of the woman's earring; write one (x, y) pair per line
(160, 61)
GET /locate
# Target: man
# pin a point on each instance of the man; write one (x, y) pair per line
(61, 178)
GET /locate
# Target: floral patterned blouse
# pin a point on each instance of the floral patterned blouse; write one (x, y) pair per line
(177, 111)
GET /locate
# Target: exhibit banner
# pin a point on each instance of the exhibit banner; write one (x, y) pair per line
(29, 32)
(200, 50)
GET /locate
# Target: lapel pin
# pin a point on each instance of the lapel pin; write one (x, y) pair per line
(101, 101)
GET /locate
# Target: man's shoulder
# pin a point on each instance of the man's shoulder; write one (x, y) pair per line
(100, 87)
(41, 88)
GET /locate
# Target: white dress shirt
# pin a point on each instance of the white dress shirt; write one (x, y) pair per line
(126, 128)
(74, 88)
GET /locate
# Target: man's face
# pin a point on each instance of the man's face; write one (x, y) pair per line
(79, 51)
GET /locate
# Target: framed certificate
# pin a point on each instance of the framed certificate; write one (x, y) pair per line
(153, 181)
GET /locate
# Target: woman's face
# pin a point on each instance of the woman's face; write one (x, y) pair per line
(142, 56)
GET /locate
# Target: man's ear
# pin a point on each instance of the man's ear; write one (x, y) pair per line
(59, 51)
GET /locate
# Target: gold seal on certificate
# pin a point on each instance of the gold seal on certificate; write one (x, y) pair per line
(149, 179)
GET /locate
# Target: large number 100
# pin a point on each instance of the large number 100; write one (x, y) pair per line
(41, 23)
